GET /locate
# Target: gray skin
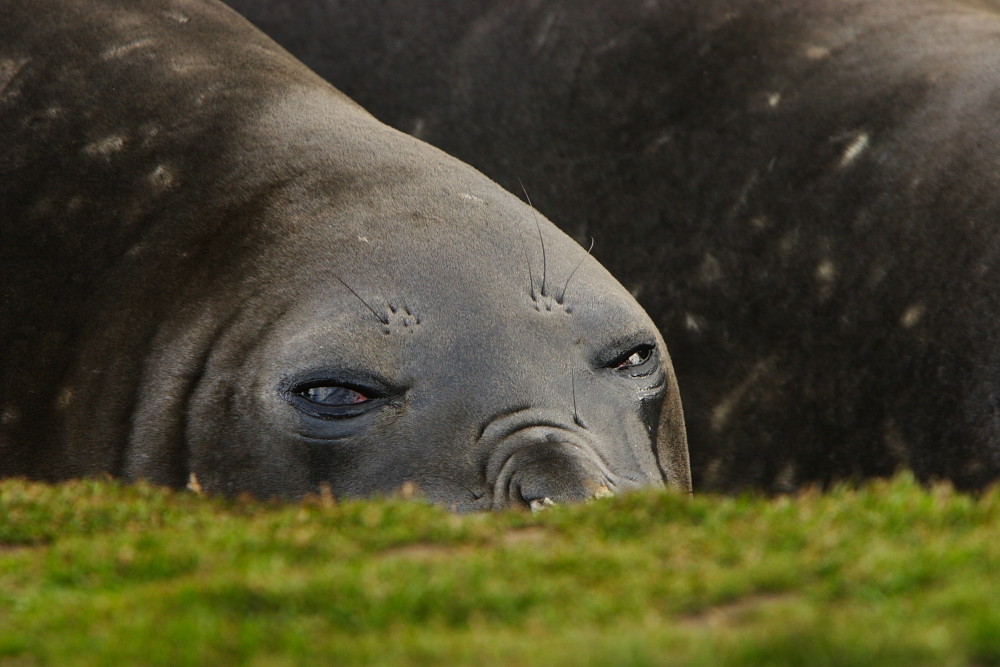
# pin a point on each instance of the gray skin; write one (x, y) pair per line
(802, 193)
(213, 263)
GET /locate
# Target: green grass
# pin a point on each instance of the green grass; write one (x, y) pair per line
(96, 573)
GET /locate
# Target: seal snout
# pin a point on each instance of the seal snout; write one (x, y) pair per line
(534, 465)
(544, 473)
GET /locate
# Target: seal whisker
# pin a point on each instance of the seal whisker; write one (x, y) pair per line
(576, 412)
(527, 261)
(562, 297)
(381, 318)
(538, 226)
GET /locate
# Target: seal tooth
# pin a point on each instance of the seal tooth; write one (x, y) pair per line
(603, 492)
(539, 504)
(194, 485)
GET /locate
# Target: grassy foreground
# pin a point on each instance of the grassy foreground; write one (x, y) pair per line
(95, 573)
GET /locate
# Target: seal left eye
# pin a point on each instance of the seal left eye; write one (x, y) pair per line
(334, 399)
(333, 396)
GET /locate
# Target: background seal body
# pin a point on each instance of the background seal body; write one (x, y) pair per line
(802, 193)
(212, 262)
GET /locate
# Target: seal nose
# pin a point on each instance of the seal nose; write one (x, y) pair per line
(543, 474)
(535, 458)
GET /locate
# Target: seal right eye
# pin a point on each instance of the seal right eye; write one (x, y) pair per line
(633, 358)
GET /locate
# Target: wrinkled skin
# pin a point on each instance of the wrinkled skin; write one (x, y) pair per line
(802, 193)
(215, 264)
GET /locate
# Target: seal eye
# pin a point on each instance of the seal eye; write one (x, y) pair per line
(330, 398)
(634, 358)
(333, 396)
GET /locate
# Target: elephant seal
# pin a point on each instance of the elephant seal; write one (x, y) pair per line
(802, 193)
(213, 263)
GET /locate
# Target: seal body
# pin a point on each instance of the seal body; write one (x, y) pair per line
(212, 263)
(802, 193)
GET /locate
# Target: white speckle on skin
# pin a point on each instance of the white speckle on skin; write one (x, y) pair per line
(877, 275)
(912, 315)
(722, 21)
(710, 269)
(148, 134)
(186, 64)
(125, 49)
(813, 52)
(826, 271)
(788, 242)
(10, 415)
(607, 46)
(470, 197)
(162, 178)
(176, 16)
(720, 414)
(743, 197)
(105, 147)
(544, 32)
(773, 99)
(694, 323)
(724, 408)
(662, 140)
(419, 125)
(364, 239)
(857, 146)
(65, 398)
(9, 69)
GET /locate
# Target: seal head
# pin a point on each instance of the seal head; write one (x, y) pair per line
(214, 264)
